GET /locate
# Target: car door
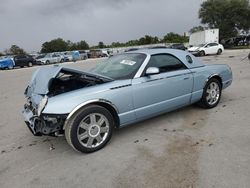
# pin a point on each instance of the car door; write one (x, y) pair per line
(26, 60)
(54, 58)
(19, 60)
(162, 92)
(214, 48)
(211, 48)
(208, 49)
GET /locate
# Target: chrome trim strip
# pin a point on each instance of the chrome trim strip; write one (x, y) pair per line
(86, 103)
(122, 86)
(183, 74)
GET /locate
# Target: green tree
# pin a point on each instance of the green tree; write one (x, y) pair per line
(174, 38)
(101, 45)
(196, 29)
(116, 44)
(82, 45)
(56, 45)
(132, 43)
(230, 16)
(14, 50)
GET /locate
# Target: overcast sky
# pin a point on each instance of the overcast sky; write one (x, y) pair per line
(29, 23)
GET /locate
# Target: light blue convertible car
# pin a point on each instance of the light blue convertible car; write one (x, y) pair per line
(126, 88)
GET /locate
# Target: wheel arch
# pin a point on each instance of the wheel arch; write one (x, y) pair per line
(216, 76)
(100, 102)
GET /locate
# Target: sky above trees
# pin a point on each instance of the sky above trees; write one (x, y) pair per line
(30, 23)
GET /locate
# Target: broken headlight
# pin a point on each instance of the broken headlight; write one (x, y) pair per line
(42, 105)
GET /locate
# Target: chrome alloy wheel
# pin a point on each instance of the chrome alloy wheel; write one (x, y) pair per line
(93, 130)
(213, 93)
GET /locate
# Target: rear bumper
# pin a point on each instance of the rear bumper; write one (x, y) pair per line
(39, 63)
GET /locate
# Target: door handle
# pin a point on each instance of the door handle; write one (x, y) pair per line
(186, 78)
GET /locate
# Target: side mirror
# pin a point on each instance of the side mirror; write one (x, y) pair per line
(152, 71)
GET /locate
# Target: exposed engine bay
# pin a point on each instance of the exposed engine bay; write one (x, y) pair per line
(67, 81)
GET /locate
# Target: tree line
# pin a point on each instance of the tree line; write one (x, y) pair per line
(58, 45)
(61, 45)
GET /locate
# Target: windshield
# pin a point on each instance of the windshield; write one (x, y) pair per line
(122, 66)
(40, 56)
(48, 55)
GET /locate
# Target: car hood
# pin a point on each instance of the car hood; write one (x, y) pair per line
(41, 78)
(194, 48)
(4, 59)
(67, 55)
(43, 59)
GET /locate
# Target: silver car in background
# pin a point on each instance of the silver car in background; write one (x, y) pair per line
(124, 89)
(50, 58)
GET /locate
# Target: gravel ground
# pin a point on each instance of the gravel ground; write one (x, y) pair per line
(190, 147)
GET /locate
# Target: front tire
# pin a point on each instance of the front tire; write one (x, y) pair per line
(90, 129)
(211, 94)
(202, 53)
(30, 64)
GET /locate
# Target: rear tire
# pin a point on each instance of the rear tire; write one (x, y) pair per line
(211, 94)
(90, 129)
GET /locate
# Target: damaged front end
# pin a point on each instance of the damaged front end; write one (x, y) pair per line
(42, 124)
(49, 82)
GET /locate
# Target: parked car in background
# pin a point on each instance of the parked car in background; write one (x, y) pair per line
(243, 40)
(131, 49)
(157, 47)
(96, 54)
(6, 63)
(67, 56)
(178, 46)
(83, 54)
(24, 60)
(76, 55)
(207, 49)
(50, 58)
(72, 56)
(61, 56)
(124, 89)
(40, 56)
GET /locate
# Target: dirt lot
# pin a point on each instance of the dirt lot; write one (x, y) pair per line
(190, 147)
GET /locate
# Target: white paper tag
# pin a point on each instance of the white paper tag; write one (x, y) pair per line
(128, 62)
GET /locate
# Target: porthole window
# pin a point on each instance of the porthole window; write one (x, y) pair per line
(189, 59)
